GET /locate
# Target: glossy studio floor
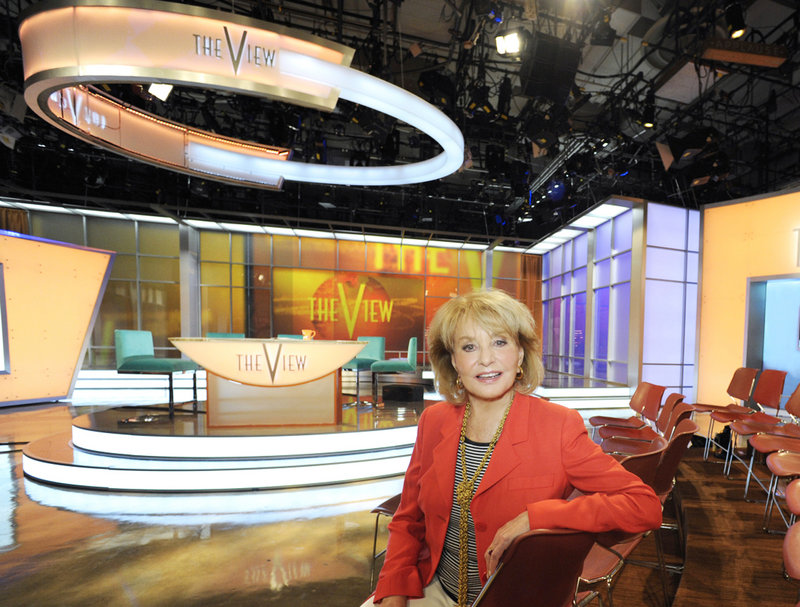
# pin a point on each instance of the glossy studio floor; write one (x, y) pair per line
(84, 548)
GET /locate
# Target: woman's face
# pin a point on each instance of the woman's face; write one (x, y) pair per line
(487, 363)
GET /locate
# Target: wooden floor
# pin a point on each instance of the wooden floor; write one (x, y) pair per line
(729, 560)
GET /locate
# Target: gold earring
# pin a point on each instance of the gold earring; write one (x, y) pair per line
(459, 383)
(520, 373)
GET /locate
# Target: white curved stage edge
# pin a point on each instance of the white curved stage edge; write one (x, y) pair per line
(126, 449)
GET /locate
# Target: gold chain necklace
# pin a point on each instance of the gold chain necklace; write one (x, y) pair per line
(464, 492)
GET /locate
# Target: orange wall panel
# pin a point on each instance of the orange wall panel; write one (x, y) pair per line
(757, 238)
(52, 293)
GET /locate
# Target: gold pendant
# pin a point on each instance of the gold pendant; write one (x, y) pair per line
(464, 494)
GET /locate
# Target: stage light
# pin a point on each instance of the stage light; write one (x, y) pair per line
(604, 34)
(160, 90)
(511, 41)
(735, 20)
(649, 114)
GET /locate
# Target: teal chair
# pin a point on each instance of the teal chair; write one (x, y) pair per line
(395, 365)
(214, 335)
(373, 352)
(285, 336)
(135, 354)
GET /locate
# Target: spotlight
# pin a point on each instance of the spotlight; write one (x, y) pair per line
(735, 20)
(160, 90)
(511, 42)
(649, 114)
(604, 34)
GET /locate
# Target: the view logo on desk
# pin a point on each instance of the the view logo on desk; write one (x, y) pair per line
(271, 362)
(268, 362)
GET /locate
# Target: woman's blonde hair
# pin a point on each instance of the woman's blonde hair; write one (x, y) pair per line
(496, 312)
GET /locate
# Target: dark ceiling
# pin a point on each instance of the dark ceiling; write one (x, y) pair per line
(547, 136)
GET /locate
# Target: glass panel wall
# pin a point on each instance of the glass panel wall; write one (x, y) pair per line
(586, 292)
(564, 288)
(235, 277)
(670, 301)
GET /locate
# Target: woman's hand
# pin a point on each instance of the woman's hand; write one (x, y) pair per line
(503, 538)
(394, 601)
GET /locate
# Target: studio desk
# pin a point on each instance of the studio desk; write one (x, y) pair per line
(273, 422)
(271, 382)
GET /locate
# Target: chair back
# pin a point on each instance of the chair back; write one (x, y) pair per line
(793, 496)
(664, 416)
(741, 386)
(644, 465)
(769, 388)
(646, 400)
(672, 456)
(680, 412)
(287, 336)
(129, 343)
(793, 404)
(217, 335)
(375, 348)
(540, 566)
(412, 352)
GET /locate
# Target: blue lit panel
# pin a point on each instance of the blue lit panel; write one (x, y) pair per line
(665, 264)
(621, 268)
(620, 315)
(602, 241)
(623, 232)
(601, 303)
(663, 320)
(666, 226)
(781, 330)
(602, 273)
(581, 253)
(663, 375)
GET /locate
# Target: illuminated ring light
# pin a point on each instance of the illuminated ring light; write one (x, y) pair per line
(69, 47)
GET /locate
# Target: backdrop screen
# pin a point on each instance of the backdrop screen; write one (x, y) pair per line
(345, 305)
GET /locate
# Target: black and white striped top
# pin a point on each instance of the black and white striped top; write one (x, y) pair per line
(448, 565)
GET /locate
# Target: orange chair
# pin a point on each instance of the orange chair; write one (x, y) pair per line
(387, 508)
(645, 402)
(768, 424)
(671, 415)
(608, 556)
(784, 467)
(766, 394)
(739, 388)
(791, 543)
(542, 566)
(767, 444)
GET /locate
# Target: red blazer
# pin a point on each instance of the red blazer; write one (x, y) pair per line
(543, 454)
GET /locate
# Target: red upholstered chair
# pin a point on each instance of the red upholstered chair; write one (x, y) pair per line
(540, 566)
(739, 388)
(791, 543)
(761, 422)
(766, 445)
(645, 403)
(664, 486)
(621, 447)
(672, 413)
(785, 468)
(766, 395)
(387, 508)
(608, 556)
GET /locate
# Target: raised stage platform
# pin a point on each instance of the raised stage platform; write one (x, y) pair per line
(128, 447)
(139, 449)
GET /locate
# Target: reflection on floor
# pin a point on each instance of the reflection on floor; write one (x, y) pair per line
(296, 547)
(283, 548)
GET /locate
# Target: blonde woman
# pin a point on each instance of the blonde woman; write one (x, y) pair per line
(494, 462)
